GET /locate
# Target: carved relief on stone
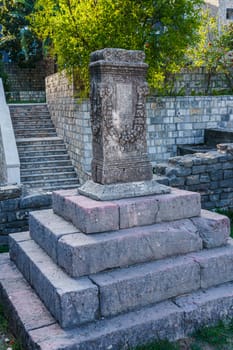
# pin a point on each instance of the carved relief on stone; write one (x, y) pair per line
(101, 108)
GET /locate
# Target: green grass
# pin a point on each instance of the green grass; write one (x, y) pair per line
(4, 249)
(161, 345)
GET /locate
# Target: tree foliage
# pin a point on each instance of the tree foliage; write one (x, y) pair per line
(17, 38)
(163, 28)
(214, 50)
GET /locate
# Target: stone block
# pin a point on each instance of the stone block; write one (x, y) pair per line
(138, 211)
(36, 201)
(214, 229)
(88, 215)
(202, 309)
(72, 302)
(46, 228)
(92, 216)
(81, 254)
(179, 204)
(58, 201)
(126, 289)
(163, 321)
(216, 265)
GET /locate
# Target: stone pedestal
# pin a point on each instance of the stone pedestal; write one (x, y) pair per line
(118, 93)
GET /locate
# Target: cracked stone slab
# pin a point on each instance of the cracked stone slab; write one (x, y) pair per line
(81, 254)
(126, 289)
(216, 265)
(214, 229)
(46, 228)
(72, 302)
(206, 308)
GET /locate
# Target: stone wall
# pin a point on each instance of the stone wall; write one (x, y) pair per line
(72, 121)
(198, 82)
(210, 174)
(171, 121)
(27, 84)
(15, 208)
(182, 120)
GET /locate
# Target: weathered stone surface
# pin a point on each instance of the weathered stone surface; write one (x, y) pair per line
(58, 201)
(92, 216)
(81, 254)
(118, 116)
(24, 302)
(71, 302)
(214, 229)
(122, 190)
(126, 289)
(46, 228)
(216, 265)
(177, 205)
(206, 308)
(138, 211)
(36, 201)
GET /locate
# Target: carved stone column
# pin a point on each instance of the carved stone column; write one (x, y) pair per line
(118, 96)
(120, 165)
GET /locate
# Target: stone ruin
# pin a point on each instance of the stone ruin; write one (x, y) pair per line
(118, 263)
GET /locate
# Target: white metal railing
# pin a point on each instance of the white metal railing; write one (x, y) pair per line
(10, 164)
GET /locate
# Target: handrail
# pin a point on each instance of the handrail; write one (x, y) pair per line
(9, 158)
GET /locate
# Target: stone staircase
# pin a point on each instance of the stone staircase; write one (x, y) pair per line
(44, 161)
(115, 274)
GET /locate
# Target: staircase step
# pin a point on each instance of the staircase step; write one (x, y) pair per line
(81, 254)
(41, 153)
(50, 176)
(46, 170)
(56, 289)
(53, 184)
(44, 158)
(48, 165)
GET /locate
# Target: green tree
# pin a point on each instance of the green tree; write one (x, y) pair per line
(214, 50)
(16, 37)
(163, 28)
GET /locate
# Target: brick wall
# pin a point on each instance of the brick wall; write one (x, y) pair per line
(72, 121)
(210, 174)
(171, 121)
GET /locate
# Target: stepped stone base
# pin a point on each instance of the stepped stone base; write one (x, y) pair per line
(115, 274)
(174, 319)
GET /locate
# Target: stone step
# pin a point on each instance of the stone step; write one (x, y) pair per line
(48, 176)
(92, 216)
(44, 158)
(53, 184)
(41, 153)
(120, 290)
(35, 141)
(36, 133)
(50, 164)
(46, 147)
(71, 301)
(172, 320)
(62, 186)
(38, 123)
(79, 254)
(51, 168)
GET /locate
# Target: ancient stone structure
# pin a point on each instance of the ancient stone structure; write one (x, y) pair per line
(116, 273)
(118, 116)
